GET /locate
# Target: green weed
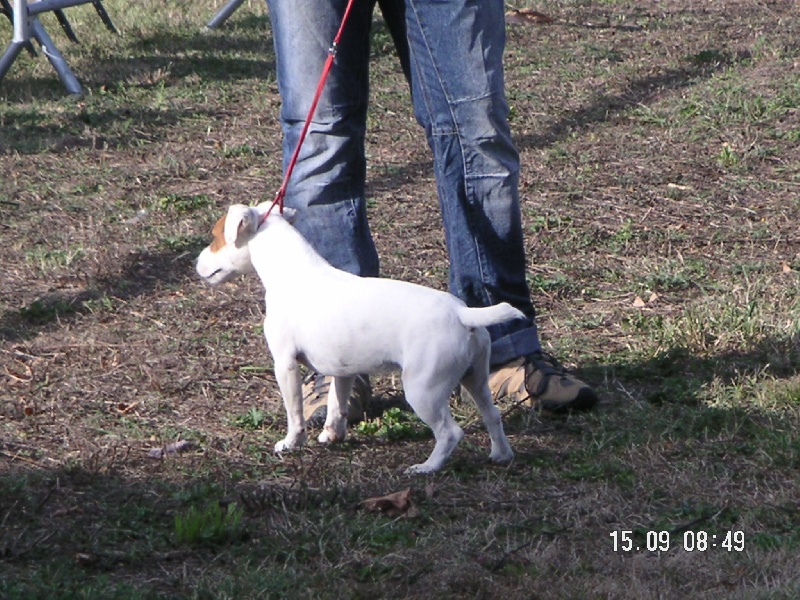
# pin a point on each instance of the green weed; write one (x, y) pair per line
(211, 526)
(395, 424)
(40, 312)
(252, 419)
(183, 204)
(47, 259)
(182, 244)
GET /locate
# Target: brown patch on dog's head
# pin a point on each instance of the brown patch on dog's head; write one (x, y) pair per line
(218, 232)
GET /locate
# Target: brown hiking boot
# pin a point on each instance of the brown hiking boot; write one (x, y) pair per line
(315, 398)
(540, 380)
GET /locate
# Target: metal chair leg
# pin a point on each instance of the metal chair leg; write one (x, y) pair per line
(65, 74)
(101, 11)
(225, 12)
(5, 8)
(9, 56)
(29, 26)
(64, 22)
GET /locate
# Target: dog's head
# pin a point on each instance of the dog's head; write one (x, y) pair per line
(228, 254)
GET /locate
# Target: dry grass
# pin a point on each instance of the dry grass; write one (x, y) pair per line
(660, 198)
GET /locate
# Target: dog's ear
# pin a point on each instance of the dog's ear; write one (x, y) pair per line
(240, 224)
(290, 214)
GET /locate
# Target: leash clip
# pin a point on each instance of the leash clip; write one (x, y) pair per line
(333, 49)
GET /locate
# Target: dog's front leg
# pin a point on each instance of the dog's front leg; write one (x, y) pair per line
(288, 376)
(335, 428)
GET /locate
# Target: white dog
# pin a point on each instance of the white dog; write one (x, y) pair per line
(342, 325)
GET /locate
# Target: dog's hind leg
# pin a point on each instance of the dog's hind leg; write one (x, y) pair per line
(335, 428)
(476, 383)
(480, 393)
(288, 376)
(430, 400)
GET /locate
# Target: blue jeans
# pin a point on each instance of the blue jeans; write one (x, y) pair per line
(453, 55)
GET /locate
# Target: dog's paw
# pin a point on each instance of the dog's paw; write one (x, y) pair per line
(420, 469)
(282, 446)
(290, 443)
(502, 457)
(329, 435)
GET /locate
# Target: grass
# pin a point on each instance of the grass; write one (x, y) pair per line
(659, 198)
(212, 525)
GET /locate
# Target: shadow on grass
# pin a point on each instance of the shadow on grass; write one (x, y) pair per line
(679, 377)
(213, 57)
(217, 55)
(67, 529)
(234, 51)
(70, 527)
(140, 275)
(641, 91)
(602, 109)
(223, 55)
(121, 127)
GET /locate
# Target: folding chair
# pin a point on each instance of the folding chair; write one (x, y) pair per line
(27, 25)
(5, 8)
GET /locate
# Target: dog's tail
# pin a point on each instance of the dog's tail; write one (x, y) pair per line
(489, 315)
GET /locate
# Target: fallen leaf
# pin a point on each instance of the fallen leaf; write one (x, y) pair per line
(786, 268)
(638, 302)
(526, 15)
(653, 297)
(392, 505)
(23, 374)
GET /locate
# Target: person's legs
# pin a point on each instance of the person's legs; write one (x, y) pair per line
(456, 49)
(327, 184)
(458, 92)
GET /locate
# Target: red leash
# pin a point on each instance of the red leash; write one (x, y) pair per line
(326, 69)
